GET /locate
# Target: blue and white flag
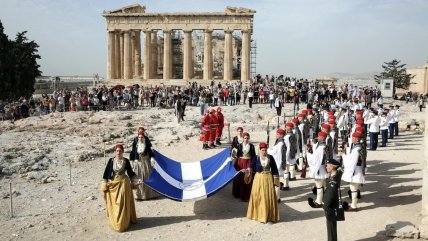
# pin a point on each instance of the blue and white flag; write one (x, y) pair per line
(192, 180)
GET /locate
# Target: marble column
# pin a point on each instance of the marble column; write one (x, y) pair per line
(187, 55)
(147, 54)
(111, 56)
(208, 55)
(245, 56)
(127, 55)
(122, 62)
(228, 56)
(167, 55)
(137, 53)
(132, 34)
(118, 60)
(154, 46)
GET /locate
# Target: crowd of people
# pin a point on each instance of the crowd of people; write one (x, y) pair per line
(268, 90)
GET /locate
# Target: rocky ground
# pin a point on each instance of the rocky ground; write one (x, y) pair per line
(37, 154)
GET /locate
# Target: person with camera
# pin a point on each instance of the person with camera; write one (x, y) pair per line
(331, 197)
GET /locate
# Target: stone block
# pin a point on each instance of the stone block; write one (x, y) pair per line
(401, 229)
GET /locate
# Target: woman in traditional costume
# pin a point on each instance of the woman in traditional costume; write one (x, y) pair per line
(263, 205)
(117, 188)
(142, 164)
(243, 181)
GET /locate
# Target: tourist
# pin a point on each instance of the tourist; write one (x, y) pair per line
(117, 188)
(243, 181)
(263, 205)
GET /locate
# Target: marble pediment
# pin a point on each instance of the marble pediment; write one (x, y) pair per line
(136, 8)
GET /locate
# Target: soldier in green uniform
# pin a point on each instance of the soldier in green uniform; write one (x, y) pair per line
(331, 197)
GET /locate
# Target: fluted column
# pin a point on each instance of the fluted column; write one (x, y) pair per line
(245, 58)
(228, 54)
(111, 56)
(117, 55)
(154, 62)
(147, 54)
(167, 55)
(127, 65)
(208, 55)
(137, 53)
(122, 60)
(187, 55)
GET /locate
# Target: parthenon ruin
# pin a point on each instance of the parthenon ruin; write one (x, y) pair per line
(125, 25)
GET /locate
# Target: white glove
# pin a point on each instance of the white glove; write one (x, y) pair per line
(153, 161)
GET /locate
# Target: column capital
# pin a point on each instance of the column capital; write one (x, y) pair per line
(167, 31)
(187, 30)
(228, 31)
(245, 30)
(208, 30)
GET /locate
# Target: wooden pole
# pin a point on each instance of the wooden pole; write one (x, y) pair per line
(70, 170)
(11, 202)
(228, 132)
(105, 162)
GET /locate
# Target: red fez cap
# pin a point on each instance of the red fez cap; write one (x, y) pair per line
(289, 124)
(360, 122)
(332, 122)
(331, 112)
(212, 111)
(118, 146)
(302, 115)
(280, 131)
(141, 128)
(359, 129)
(322, 134)
(295, 120)
(140, 133)
(246, 134)
(326, 126)
(239, 128)
(219, 108)
(305, 111)
(356, 135)
(262, 145)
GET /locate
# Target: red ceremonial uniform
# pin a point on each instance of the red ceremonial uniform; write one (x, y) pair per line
(220, 120)
(206, 127)
(214, 124)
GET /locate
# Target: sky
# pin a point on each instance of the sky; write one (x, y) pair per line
(301, 38)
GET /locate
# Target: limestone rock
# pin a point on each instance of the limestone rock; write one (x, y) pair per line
(401, 229)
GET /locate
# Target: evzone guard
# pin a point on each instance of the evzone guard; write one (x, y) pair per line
(279, 152)
(317, 161)
(354, 163)
(288, 165)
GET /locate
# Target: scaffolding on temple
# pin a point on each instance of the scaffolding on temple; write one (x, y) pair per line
(253, 58)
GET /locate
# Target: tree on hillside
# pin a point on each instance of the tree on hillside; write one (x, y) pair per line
(26, 67)
(6, 64)
(18, 65)
(396, 71)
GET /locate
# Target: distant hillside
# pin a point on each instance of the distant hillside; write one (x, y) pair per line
(353, 76)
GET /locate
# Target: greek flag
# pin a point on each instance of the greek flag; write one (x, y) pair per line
(193, 180)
